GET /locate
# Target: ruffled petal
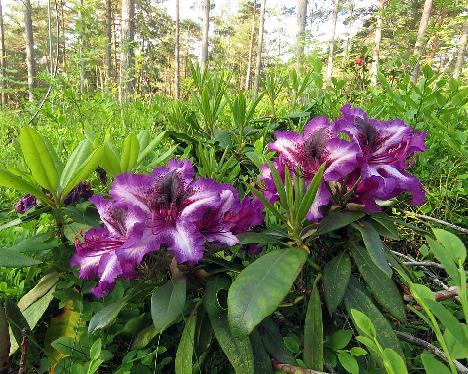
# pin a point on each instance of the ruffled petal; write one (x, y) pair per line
(288, 144)
(342, 158)
(132, 189)
(186, 242)
(316, 124)
(322, 200)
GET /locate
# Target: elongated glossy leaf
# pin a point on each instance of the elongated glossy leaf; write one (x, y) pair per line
(38, 159)
(88, 167)
(183, 360)
(382, 288)
(167, 303)
(262, 360)
(433, 365)
(257, 238)
(36, 243)
(144, 337)
(336, 275)
(385, 226)
(150, 147)
(310, 194)
(260, 288)
(9, 180)
(130, 151)
(110, 160)
(313, 332)
(106, 315)
(13, 259)
(42, 287)
(4, 342)
(238, 350)
(356, 298)
(374, 246)
(273, 342)
(336, 220)
(75, 161)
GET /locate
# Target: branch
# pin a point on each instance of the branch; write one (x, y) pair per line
(291, 369)
(423, 264)
(445, 223)
(431, 349)
(449, 293)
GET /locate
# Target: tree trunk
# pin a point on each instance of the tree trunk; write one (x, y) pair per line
(377, 39)
(126, 47)
(29, 39)
(300, 35)
(177, 52)
(108, 50)
(2, 59)
(83, 75)
(258, 64)
(251, 47)
(205, 37)
(461, 52)
(419, 45)
(62, 22)
(332, 42)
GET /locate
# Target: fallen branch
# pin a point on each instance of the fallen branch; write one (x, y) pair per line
(423, 264)
(291, 369)
(449, 293)
(431, 349)
(429, 218)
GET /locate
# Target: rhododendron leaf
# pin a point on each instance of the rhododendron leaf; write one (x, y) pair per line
(260, 288)
(313, 332)
(336, 220)
(10, 180)
(146, 149)
(106, 315)
(374, 246)
(382, 288)
(336, 275)
(129, 155)
(310, 194)
(167, 303)
(75, 161)
(184, 355)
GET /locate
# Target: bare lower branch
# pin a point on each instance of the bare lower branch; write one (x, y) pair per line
(431, 349)
(445, 223)
(423, 264)
(291, 369)
(449, 293)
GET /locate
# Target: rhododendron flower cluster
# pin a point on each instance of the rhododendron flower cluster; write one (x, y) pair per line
(167, 208)
(365, 160)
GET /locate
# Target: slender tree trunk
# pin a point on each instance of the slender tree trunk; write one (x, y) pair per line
(419, 45)
(461, 52)
(205, 37)
(126, 46)
(300, 35)
(62, 22)
(377, 39)
(258, 63)
(251, 47)
(177, 52)
(29, 39)
(2, 59)
(83, 75)
(108, 50)
(332, 42)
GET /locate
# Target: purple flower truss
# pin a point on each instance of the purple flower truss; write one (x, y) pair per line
(371, 163)
(167, 208)
(26, 203)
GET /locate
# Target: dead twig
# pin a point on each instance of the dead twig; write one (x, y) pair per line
(449, 293)
(24, 352)
(291, 369)
(431, 349)
(429, 218)
(423, 264)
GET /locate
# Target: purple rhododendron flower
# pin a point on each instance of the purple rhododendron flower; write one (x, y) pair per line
(25, 203)
(168, 207)
(116, 248)
(385, 148)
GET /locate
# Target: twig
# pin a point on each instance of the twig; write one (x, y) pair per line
(291, 369)
(430, 348)
(24, 351)
(329, 368)
(449, 293)
(445, 223)
(423, 264)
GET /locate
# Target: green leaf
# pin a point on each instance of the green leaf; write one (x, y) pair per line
(374, 246)
(36, 243)
(395, 361)
(42, 287)
(9, 180)
(452, 243)
(313, 332)
(385, 226)
(75, 162)
(130, 151)
(150, 147)
(257, 238)
(356, 298)
(363, 323)
(4, 341)
(167, 303)
(310, 194)
(144, 337)
(336, 275)
(444, 257)
(279, 185)
(260, 288)
(183, 360)
(110, 160)
(358, 351)
(261, 358)
(382, 288)
(349, 362)
(38, 159)
(336, 220)
(339, 339)
(432, 365)
(237, 349)
(106, 315)
(273, 342)
(95, 350)
(13, 259)
(86, 169)
(457, 350)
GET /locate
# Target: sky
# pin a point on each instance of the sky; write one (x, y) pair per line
(285, 25)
